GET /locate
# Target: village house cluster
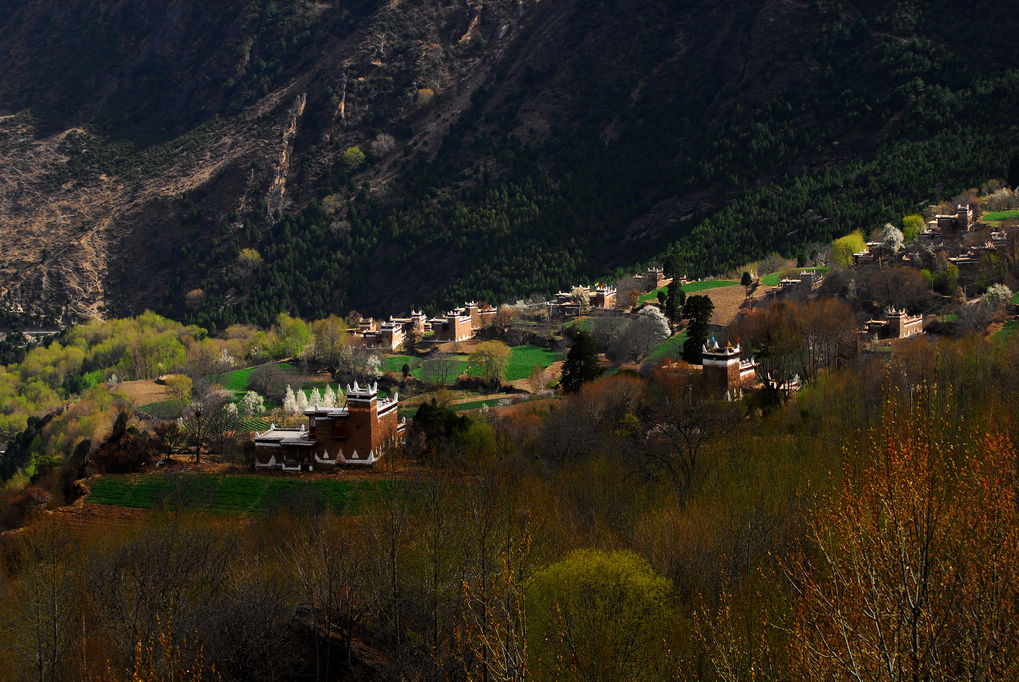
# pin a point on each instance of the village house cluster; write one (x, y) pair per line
(459, 324)
(806, 283)
(960, 237)
(362, 431)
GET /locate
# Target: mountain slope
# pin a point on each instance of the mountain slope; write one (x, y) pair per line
(511, 146)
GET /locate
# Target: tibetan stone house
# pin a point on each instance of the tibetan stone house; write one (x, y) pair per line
(357, 434)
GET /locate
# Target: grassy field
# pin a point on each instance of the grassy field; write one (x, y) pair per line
(237, 380)
(395, 363)
(524, 359)
(229, 495)
(457, 407)
(669, 348)
(998, 216)
(650, 296)
(704, 285)
(461, 366)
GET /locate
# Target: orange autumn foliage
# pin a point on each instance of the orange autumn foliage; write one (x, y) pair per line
(914, 572)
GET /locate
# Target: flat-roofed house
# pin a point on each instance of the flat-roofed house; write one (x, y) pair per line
(357, 434)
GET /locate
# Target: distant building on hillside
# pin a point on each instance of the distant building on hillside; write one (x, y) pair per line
(959, 222)
(566, 303)
(896, 324)
(461, 324)
(357, 434)
(390, 336)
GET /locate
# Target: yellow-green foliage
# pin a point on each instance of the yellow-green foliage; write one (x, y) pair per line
(600, 615)
(353, 157)
(143, 347)
(135, 348)
(843, 248)
(425, 96)
(491, 358)
(912, 226)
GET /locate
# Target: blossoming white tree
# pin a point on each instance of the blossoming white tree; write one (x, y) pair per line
(290, 401)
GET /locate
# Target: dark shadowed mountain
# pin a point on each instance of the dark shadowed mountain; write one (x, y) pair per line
(382, 155)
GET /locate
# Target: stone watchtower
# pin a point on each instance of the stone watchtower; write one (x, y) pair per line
(369, 423)
(724, 372)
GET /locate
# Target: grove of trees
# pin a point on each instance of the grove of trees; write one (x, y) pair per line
(866, 528)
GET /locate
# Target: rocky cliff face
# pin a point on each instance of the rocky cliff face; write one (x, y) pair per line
(130, 129)
(143, 143)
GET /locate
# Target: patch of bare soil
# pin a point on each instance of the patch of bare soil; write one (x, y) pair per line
(730, 301)
(459, 347)
(83, 516)
(144, 391)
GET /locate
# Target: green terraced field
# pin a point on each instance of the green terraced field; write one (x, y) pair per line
(252, 424)
(229, 495)
(165, 409)
(997, 216)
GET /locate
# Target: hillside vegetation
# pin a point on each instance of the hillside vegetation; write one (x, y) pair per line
(318, 157)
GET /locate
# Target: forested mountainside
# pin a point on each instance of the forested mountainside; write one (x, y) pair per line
(226, 161)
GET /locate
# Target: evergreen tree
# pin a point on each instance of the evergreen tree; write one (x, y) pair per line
(1013, 171)
(698, 309)
(672, 267)
(746, 280)
(674, 302)
(581, 363)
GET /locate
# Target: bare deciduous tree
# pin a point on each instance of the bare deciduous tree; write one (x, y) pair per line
(439, 368)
